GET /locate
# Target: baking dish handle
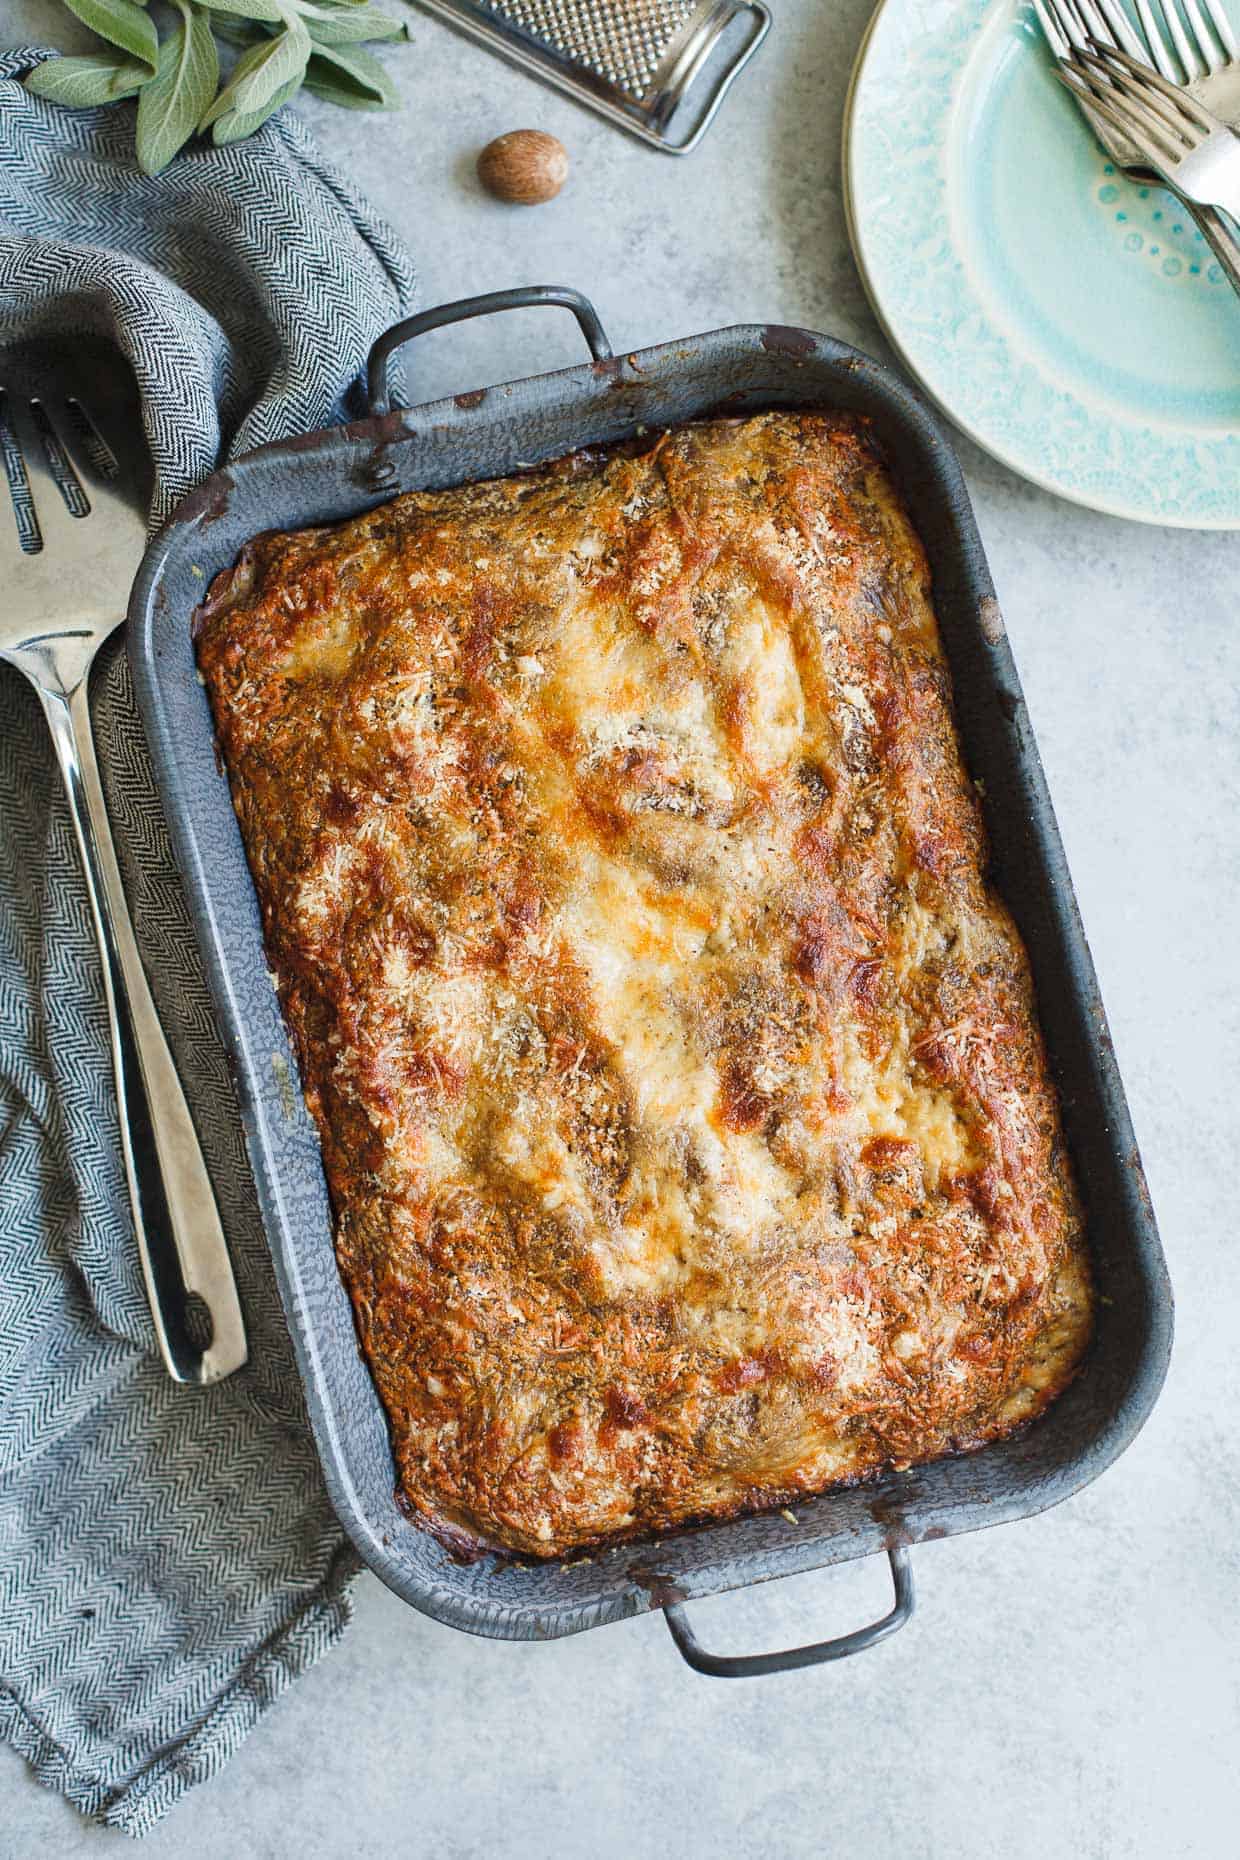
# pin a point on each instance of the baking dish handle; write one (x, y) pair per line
(525, 297)
(756, 1665)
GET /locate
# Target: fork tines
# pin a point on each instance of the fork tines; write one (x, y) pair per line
(1136, 100)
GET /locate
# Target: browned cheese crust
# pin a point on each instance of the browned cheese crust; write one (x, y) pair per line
(685, 1115)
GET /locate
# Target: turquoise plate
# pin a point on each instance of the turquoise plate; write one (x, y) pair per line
(1071, 321)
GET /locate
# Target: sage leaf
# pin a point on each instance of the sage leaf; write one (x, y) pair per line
(123, 23)
(228, 95)
(360, 22)
(97, 77)
(268, 10)
(274, 64)
(259, 75)
(233, 96)
(343, 74)
(238, 31)
(285, 43)
(172, 104)
(237, 124)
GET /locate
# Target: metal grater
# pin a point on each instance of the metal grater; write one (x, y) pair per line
(636, 62)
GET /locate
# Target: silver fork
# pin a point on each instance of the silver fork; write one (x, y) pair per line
(78, 475)
(1067, 25)
(1206, 59)
(1193, 151)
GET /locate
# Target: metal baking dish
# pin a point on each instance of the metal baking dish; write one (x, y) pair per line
(326, 476)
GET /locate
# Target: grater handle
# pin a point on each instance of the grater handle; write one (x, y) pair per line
(525, 297)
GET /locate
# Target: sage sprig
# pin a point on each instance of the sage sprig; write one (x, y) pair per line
(172, 104)
(175, 73)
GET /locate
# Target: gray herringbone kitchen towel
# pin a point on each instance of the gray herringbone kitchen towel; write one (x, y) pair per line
(168, 1560)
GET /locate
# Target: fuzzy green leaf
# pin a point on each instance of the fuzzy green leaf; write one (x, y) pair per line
(275, 64)
(286, 43)
(249, 9)
(361, 22)
(235, 125)
(342, 95)
(343, 74)
(179, 95)
(238, 31)
(80, 82)
(122, 23)
(228, 95)
(259, 73)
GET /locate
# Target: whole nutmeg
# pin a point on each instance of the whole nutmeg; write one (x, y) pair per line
(525, 167)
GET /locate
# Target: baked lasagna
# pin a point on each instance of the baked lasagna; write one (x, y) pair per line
(684, 1112)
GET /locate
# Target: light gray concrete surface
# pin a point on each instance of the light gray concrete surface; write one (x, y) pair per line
(1070, 1685)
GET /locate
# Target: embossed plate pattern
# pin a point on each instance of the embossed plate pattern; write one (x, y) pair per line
(1069, 320)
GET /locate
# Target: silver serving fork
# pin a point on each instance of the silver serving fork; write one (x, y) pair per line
(1067, 25)
(79, 478)
(1193, 151)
